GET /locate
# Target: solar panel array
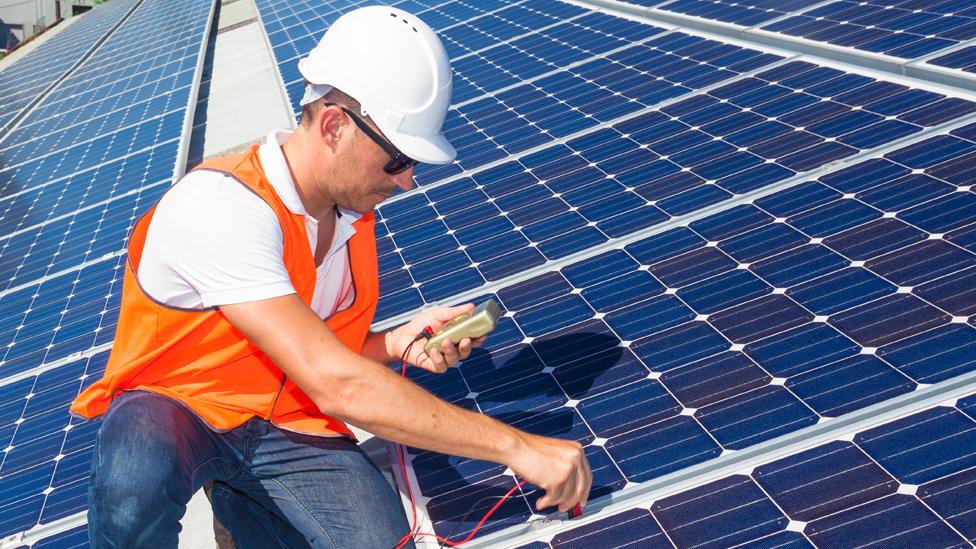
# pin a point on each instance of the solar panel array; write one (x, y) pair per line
(23, 82)
(700, 246)
(75, 174)
(906, 483)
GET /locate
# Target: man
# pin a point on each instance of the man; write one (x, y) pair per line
(223, 369)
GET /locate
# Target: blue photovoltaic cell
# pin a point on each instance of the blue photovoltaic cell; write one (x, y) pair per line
(22, 82)
(79, 236)
(729, 345)
(836, 494)
(82, 167)
(897, 28)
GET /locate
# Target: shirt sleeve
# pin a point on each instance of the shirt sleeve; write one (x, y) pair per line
(211, 242)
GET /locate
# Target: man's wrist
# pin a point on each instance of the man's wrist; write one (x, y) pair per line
(389, 342)
(508, 444)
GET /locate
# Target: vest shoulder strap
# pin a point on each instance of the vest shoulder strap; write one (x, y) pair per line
(222, 164)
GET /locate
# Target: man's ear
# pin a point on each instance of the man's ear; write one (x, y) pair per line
(331, 124)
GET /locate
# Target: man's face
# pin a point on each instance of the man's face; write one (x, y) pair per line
(360, 183)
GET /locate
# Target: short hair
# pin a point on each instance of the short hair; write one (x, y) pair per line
(335, 95)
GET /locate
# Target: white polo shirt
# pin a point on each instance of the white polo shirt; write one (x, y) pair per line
(212, 242)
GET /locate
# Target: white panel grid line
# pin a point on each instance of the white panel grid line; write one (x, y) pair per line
(523, 3)
(14, 121)
(569, 67)
(789, 57)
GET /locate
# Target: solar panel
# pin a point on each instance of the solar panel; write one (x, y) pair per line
(748, 13)
(902, 29)
(906, 483)
(964, 59)
(23, 82)
(77, 172)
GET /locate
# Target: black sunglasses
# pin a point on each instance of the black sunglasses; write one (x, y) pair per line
(398, 162)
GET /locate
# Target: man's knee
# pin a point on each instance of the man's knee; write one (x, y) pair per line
(134, 506)
(141, 477)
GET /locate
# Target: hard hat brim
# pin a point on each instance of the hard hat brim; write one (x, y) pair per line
(433, 149)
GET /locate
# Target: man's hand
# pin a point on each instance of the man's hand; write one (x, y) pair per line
(440, 358)
(557, 466)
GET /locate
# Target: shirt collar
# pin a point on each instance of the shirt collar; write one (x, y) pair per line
(278, 174)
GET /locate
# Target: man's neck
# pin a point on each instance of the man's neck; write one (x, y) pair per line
(316, 202)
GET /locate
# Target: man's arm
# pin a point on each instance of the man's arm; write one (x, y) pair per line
(369, 395)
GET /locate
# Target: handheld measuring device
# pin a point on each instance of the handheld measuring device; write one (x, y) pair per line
(476, 324)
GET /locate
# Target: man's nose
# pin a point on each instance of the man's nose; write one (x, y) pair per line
(404, 179)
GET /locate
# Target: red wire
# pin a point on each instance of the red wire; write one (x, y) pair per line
(414, 533)
(481, 522)
(403, 467)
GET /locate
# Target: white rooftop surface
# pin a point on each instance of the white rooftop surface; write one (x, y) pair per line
(246, 98)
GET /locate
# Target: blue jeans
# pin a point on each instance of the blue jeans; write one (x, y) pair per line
(272, 488)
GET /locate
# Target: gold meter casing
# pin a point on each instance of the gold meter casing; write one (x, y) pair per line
(481, 321)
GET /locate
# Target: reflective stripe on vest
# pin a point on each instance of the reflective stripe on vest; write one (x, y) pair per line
(197, 357)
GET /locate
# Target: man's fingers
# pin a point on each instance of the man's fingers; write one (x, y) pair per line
(450, 352)
(445, 314)
(559, 496)
(435, 354)
(464, 348)
(568, 493)
(551, 499)
(589, 483)
(543, 502)
(583, 482)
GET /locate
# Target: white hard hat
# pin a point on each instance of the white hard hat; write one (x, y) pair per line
(394, 65)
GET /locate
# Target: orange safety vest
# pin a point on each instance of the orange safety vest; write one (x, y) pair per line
(197, 357)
